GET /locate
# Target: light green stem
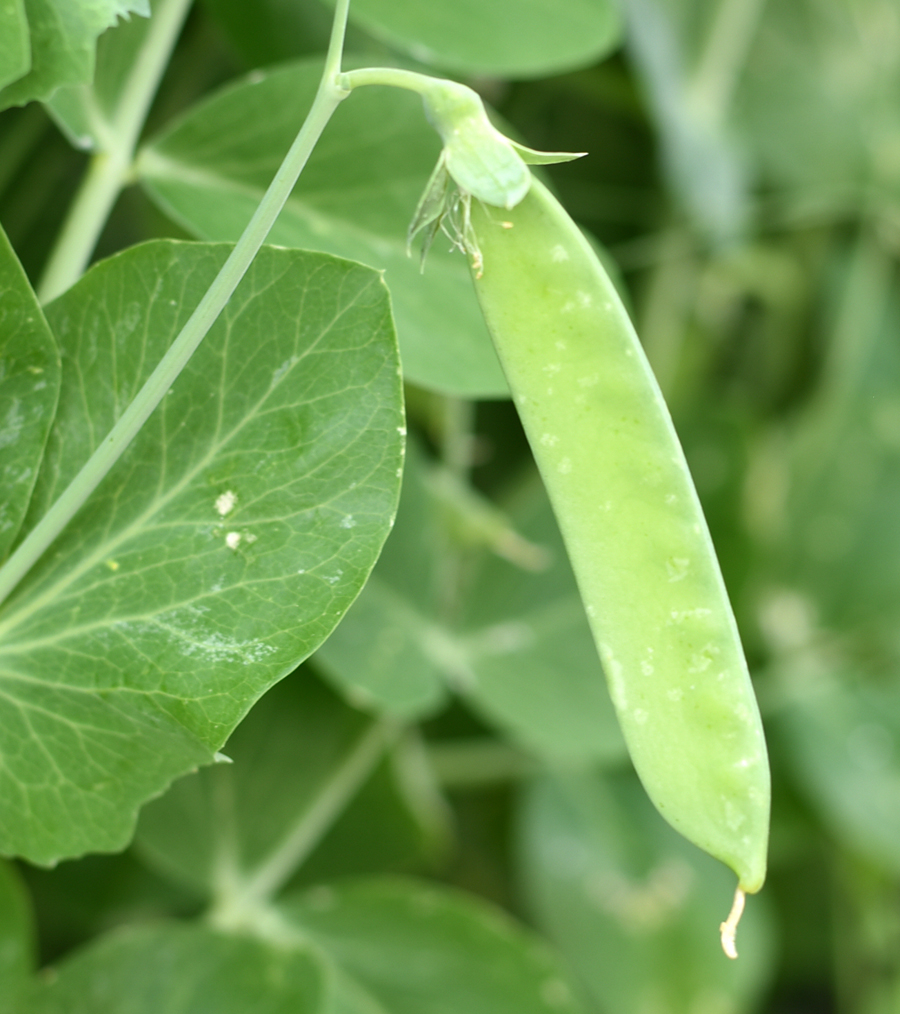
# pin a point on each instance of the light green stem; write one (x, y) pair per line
(110, 167)
(238, 900)
(712, 84)
(391, 76)
(201, 320)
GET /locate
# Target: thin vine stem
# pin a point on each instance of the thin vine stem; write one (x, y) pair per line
(110, 167)
(239, 899)
(328, 97)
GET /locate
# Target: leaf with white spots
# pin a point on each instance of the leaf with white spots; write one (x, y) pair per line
(29, 387)
(215, 556)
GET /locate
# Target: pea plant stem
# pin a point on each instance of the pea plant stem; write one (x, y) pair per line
(409, 80)
(239, 898)
(110, 166)
(328, 97)
(717, 72)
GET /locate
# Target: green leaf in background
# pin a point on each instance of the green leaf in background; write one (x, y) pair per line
(221, 549)
(632, 906)
(179, 969)
(29, 387)
(843, 739)
(421, 949)
(272, 31)
(15, 49)
(222, 830)
(387, 653)
(834, 498)
(63, 40)
(499, 38)
(87, 112)
(689, 90)
(538, 676)
(355, 199)
(514, 642)
(16, 941)
(818, 108)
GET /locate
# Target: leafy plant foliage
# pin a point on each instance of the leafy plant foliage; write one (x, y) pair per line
(313, 760)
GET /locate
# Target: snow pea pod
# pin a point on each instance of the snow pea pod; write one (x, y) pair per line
(634, 529)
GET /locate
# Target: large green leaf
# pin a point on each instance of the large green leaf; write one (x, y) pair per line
(355, 199)
(29, 387)
(16, 941)
(63, 36)
(513, 641)
(633, 907)
(15, 51)
(222, 548)
(223, 828)
(183, 970)
(420, 949)
(501, 38)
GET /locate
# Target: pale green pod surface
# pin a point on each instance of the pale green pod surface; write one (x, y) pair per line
(604, 442)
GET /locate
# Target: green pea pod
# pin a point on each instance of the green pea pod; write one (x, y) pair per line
(616, 475)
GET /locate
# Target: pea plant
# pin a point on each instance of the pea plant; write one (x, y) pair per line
(363, 643)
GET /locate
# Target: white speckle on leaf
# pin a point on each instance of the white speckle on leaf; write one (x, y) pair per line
(590, 381)
(347, 521)
(559, 254)
(551, 369)
(561, 345)
(334, 578)
(565, 466)
(549, 440)
(677, 568)
(647, 668)
(680, 615)
(640, 716)
(585, 299)
(613, 669)
(233, 540)
(675, 694)
(225, 503)
(191, 630)
(283, 369)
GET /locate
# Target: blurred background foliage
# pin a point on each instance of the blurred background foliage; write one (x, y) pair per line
(743, 178)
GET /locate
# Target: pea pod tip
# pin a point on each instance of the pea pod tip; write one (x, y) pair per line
(728, 929)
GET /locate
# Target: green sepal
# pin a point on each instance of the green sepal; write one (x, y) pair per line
(532, 157)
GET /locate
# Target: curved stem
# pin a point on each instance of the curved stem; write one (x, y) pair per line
(110, 167)
(327, 99)
(409, 80)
